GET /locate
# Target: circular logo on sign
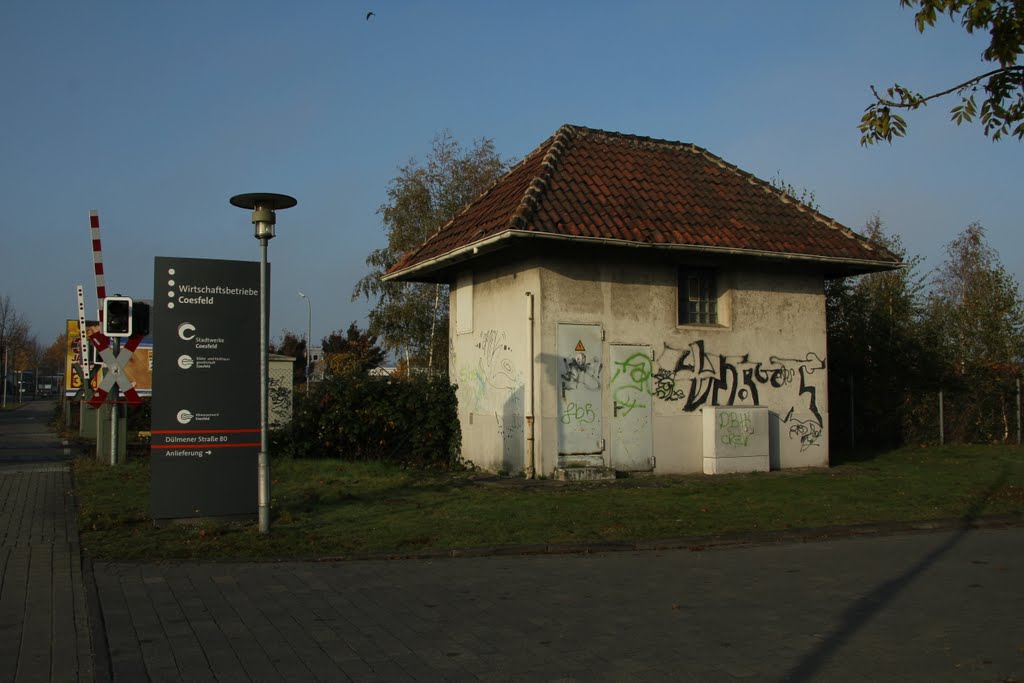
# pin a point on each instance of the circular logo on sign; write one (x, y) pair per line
(186, 331)
(185, 362)
(185, 416)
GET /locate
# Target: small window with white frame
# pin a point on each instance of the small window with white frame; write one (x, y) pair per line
(698, 296)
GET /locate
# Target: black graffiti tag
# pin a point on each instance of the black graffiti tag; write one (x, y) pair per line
(716, 380)
(698, 378)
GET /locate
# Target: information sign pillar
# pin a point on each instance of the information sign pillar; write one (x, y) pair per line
(206, 408)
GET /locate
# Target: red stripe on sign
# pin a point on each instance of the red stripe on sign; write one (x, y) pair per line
(98, 267)
(96, 245)
(94, 221)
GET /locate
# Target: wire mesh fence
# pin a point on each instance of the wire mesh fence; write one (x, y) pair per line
(982, 406)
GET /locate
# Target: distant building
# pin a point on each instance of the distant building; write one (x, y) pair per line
(316, 354)
(282, 390)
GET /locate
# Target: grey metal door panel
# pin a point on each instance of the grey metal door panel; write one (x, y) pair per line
(579, 389)
(632, 407)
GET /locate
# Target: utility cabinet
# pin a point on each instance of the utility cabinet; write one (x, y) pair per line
(735, 439)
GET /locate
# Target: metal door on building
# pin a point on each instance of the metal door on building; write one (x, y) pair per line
(631, 389)
(579, 389)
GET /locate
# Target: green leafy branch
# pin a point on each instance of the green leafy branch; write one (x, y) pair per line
(1001, 111)
(998, 113)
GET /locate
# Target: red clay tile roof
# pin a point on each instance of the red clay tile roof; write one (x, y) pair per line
(623, 189)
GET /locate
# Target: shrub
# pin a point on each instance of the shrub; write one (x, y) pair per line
(354, 416)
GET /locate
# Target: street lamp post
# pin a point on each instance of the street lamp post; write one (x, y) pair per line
(7, 355)
(309, 331)
(264, 205)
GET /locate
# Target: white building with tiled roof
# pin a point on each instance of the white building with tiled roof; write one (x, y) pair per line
(634, 304)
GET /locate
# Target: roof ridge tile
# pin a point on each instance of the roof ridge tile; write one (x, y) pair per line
(411, 254)
(530, 202)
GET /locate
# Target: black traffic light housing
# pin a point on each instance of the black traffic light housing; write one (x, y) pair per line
(125, 317)
(140, 318)
(117, 316)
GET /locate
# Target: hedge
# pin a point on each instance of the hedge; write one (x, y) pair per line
(356, 416)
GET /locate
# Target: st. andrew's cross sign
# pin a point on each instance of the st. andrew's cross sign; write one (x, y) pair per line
(114, 375)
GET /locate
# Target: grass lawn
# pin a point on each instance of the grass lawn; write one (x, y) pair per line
(325, 508)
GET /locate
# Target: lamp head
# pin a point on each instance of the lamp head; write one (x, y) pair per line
(263, 205)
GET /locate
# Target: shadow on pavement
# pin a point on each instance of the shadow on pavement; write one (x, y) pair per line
(863, 610)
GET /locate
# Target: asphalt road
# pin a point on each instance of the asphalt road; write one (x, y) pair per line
(940, 606)
(25, 435)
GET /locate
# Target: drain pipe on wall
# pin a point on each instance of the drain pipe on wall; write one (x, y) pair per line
(530, 470)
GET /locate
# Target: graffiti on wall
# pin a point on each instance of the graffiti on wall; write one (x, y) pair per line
(578, 412)
(735, 428)
(578, 371)
(696, 378)
(510, 426)
(808, 431)
(488, 384)
(494, 384)
(631, 382)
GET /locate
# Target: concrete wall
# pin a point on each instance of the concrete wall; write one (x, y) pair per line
(768, 350)
(489, 363)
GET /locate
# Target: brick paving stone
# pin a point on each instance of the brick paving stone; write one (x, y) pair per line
(44, 621)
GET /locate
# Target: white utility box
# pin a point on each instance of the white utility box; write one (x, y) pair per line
(735, 439)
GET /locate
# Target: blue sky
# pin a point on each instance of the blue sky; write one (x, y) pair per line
(155, 113)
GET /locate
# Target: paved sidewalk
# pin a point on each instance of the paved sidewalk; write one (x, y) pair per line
(937, 606)
(942, 606)
(44, 627)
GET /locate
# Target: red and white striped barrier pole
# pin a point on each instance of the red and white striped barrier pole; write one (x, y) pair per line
(97, 262)
(99, 340)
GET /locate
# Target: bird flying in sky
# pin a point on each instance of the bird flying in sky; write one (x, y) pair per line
(370, 14)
